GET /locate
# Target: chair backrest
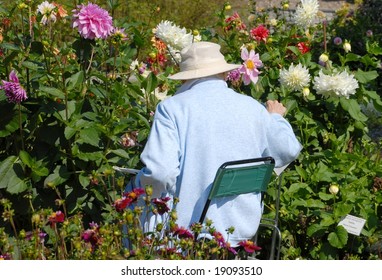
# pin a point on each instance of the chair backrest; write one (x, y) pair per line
(240, 177)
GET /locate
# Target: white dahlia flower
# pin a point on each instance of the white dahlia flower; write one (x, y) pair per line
(295, 77)
(306, 13)
(338, 84)
(172, 35)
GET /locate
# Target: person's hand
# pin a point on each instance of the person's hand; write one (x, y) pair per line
(273, 106)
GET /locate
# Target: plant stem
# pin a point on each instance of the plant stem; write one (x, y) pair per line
(21, 129)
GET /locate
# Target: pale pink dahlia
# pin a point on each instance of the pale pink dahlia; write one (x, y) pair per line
(250, 66)
(92, 21)
(13, 90)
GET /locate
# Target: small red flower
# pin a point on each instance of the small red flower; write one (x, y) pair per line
(182, 232)
(92, 235)
(234, 21)
(249, 246)
(56, 217)
(134, 195)
(219, 238)
(304, 48)
(161, 204)
(121, 203)
(260, 33)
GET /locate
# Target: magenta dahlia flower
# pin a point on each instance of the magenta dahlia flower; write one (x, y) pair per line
(92, 21)
(13, 90)
(250, 66)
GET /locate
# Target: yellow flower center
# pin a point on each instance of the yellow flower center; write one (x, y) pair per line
(250, 64)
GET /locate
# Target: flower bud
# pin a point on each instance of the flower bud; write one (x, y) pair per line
(286, 6)
(337, 41)
(369, 33)
(305, 92)
(36, 219)
(227, 7)
(347, 47)
(324, 58)
(334, 189)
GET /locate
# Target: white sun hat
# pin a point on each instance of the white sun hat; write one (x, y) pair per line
(202, 59)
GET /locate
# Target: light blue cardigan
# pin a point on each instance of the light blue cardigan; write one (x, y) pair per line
(202, 126)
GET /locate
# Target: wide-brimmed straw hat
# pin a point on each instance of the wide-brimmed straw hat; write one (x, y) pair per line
(202, 59)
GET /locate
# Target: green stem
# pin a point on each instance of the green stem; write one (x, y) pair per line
(21, 129)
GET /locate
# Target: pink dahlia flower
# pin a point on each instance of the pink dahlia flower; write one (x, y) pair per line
(250, 66)
(13, 90)
(92, 21)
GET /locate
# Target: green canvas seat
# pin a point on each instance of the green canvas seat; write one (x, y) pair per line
(246, 176)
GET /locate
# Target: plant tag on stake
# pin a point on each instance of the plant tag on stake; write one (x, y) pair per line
(352, 224)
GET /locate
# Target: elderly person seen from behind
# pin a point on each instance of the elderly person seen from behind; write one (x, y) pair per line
(204, 125)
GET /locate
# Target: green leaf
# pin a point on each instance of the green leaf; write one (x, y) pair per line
(59, 176)
(342, 209)
(120, 153)
(325, 196)
(6, 169)
(84, 180)
(353, 108)
(30, 65)
(150, 83)
(9, 120)
(314, 229)
(26, 158)
(10, 176)
(10, 46)
(75, 80)
(16, 185)
(89, 136)
(322, 174)
(374, 48)
(53, 91)
(338, 238)
(314, 203)
(69, 132)
(365, 77)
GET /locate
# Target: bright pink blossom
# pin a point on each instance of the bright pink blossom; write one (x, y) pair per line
(13, 90)
(249, 246)
(250, 66)
(92, 21)
(260, 33)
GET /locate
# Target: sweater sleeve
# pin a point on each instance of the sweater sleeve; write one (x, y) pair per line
(283, 145)
(161, 155)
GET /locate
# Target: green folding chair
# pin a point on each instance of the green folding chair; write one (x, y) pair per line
(245, 176)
